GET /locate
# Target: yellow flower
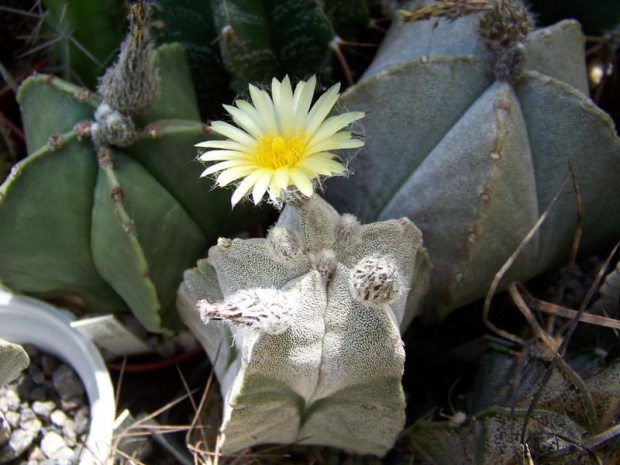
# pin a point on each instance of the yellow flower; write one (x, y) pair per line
(281, 142)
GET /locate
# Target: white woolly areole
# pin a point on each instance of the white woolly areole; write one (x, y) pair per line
(283, 244)
(375, 280)
(264, 310)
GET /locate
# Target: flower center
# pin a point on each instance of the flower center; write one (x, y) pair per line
(280, 152)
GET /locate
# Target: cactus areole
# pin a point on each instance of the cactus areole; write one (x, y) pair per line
(303, 328)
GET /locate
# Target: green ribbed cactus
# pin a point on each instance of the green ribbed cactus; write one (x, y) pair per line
(472, 125)
(308, 348)
(13, 359)
(255, 40)
(108, 209)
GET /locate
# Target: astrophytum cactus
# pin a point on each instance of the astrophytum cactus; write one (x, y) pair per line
(108, 210)
(308, 349)
(13, 359)
(472, 124)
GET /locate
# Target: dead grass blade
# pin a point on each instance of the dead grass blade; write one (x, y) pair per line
(574, 248)
(504, 269)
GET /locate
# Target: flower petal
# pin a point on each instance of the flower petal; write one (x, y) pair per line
(333, 124)
(222, 144)
(245, 186)
(341, 140)
(234, 133)
(302, 100)
(224, 165)
(232, 174)
(264, 107)
(261, 186)
(281, 178)
(321, 109)
(301, 181)
(220, 155)
(244, 120)
(251, 111)
(284, 108)
(322, 166)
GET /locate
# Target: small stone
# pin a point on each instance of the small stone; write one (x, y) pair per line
(48, 364)
(36, 374)
(39, 393)
(12, 418)
(67, 383)
(5, 430)
(68, 430)
(64, 456)
(82, 420)
(70, 404)
(19, 442)
(28, 421)
(51, 444)
(44, 408)
(12, 400)
(4, 405)
(58, 418)
(36, 454)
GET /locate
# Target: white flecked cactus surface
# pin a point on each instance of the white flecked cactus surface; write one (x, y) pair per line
(309, 349)
(13, 359)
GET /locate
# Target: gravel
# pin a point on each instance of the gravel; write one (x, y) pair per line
(44, 414)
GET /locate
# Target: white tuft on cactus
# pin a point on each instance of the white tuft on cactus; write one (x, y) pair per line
(375, 280)
(348, 231)
(325, 262)
(283, 244)
(263, 310)
(334, 377)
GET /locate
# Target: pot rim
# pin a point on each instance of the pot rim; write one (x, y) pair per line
(27, 320)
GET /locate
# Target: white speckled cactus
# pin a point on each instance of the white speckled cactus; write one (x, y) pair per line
(13, 359)
(309, 347)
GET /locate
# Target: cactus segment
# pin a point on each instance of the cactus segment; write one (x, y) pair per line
(13, 359)
(110, 228)
(595, 159)
(558, 52)
(245, 40)
(52, 106)
(177, 99)
(257, 40)
(140, 267)
(191, 24)
(331, 373)
(302, 35)
(483, 157)
(47, 252)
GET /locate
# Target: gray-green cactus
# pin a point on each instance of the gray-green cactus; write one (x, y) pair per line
(309, 349)
(470, 135)
(13, 359)
(107, 211)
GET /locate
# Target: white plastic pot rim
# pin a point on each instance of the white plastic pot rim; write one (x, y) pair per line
(26, 320)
